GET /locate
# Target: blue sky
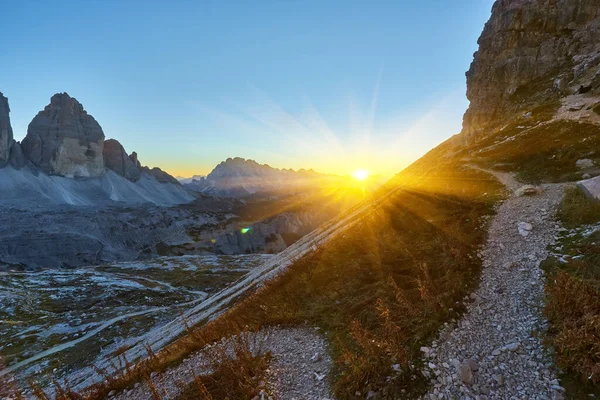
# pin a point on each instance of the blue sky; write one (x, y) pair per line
(329, 85)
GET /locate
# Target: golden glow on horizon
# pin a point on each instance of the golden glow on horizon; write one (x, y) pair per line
(361, 174)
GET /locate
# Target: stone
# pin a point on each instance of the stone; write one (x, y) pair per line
(584, 163)
(524, 228)
(473, 364)
(528, 190)
(117, 160)
(6, 132)
(590, 187)
(65, 140)
(512, 346)
(465, 373)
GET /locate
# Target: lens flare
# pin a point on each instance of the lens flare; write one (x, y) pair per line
(361, 174)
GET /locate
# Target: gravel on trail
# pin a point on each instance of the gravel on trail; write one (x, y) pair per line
(299, 368)
(495, 350)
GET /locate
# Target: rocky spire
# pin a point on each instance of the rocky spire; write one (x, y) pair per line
(64, 139)
(117, 160)
(6, 133)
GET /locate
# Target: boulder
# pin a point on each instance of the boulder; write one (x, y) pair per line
(64, 139)
(591, 187)
(6, 133)
(528, 190)
(584, 163)
(117, 160)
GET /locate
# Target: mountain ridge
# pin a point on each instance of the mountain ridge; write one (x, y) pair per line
(240, 177)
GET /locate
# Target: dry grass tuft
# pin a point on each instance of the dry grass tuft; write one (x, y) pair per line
(236, 372)
(573, 308)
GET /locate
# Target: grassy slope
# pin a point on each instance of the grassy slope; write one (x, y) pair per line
(573, 298)
(538, 149)
(378, 291)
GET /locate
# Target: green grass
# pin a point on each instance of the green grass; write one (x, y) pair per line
(578, 209)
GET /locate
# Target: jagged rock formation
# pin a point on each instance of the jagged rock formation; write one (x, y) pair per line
(128, 166)
(532, 52)
(6, 133)
(160, 175)
(65, 140)
(116, 159)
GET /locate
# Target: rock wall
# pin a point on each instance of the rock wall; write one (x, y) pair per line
(6, 133)
(116, 159)
(531, 52)
(65, 140)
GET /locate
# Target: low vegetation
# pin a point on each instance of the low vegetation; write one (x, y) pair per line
(542, 153)
(578, 209)
(537, 148)
(236, 373)
(573, 298)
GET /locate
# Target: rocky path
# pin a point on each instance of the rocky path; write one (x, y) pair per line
(495, 350)
(298, 370)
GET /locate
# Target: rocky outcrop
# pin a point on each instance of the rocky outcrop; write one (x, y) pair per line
(64, 139)
(160, 175)
(116, 159)
(128, 166)
(6, 133)
(532, 52)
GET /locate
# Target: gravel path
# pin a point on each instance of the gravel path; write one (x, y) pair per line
(495, 350)
(299, 368)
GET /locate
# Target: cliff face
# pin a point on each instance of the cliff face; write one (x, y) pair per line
(6, 133)
(116, 159)
(532, 52)
(64, 139)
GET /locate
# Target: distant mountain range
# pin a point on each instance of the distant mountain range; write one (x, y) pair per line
(238, 177)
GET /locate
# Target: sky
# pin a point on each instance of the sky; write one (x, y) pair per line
(330, 85)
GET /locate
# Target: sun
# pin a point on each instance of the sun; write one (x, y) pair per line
(361, 174)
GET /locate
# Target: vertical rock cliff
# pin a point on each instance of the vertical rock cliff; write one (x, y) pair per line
(531, 52)
(64, 139)
(116, 159)
(6, 133)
